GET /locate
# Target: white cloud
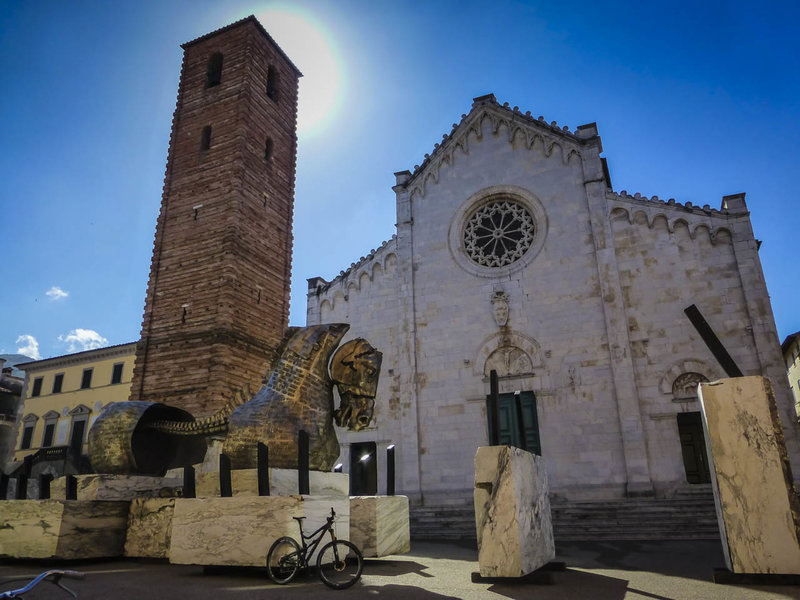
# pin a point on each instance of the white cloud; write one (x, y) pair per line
(83, 339)
(56, 293)
(29, 346)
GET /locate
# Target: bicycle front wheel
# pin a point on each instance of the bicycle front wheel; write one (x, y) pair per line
(339, 564)
(283, 560)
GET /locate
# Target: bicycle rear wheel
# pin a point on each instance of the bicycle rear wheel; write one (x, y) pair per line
(283, 560)
(339, 564)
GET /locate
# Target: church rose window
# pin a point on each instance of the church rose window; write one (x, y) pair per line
(498, 233)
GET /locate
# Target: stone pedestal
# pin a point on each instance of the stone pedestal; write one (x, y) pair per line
(282, 482)
(512, 512)
(149, 527)
(62, 529)
(757, 507)
(239, 531)
(117, 487)
(379, 525)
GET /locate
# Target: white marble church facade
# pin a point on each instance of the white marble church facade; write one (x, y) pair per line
(513, 253)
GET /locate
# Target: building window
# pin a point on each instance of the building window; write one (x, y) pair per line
(214, 70)
(116, 373)
(498, 233)
(58, 381)
(80, 417)
(272, 83)
(37, 387)
(86, 380)
(205, 138)
(29, 424)
(50, 422)
(268, 149)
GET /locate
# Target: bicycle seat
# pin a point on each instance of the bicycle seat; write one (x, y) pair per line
(298, 518)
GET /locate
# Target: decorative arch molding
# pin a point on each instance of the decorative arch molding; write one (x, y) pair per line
(80, 410)
(51, 415)
(30, 418)
(522, 351)
(718, 234)
(688, 365)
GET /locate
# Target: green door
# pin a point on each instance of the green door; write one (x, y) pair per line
(507, 417)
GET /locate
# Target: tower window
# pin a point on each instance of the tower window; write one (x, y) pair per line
(268, 149)
(272, 83)
(214, 70)
(205, 138)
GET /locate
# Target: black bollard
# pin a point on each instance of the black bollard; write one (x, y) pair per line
(302, 463)
(22, 487)
(263, 469)
(44, 486)
(390, 470)
(72, 488)
(3, 486)
(523, 442)
(225, 489)
(189, 486)
(27, 465)
(494, 399)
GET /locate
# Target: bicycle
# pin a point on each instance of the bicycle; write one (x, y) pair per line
(339, 562)
(56, 580)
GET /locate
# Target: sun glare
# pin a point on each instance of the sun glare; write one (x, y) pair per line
(312, 50)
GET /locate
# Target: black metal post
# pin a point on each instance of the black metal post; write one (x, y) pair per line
(189, 482)
(302, 463)
(263, 470)
(523, 443)
(44, 486)
(22, 487)
(390, 470)
(712, 341)
(3, 486)
(27, 465)
(494, 400)
(225, 489)
(72, 487)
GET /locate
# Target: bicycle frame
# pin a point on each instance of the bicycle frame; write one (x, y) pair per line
(309, 549)
(55, 574)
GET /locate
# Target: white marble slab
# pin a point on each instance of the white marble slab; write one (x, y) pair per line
(282, 482)
(238, 531)
(512, 512)
(757, 508)
(118, 487)
(379, 525)
(62, 530)
(149, 527)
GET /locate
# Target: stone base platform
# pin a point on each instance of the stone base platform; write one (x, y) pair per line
(239, 531)
(512, 512)
(62, 529)
(118, 487)
(282, 482)
(379, 525)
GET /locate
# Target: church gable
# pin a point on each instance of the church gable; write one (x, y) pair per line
(520, 130)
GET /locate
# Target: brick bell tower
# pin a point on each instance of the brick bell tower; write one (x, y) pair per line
(218, 295)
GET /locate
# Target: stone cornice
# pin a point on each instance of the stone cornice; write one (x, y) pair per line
(79, 357)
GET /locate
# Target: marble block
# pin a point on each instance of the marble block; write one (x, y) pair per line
(149, 527)
(379, 525)
(62, 529)
(117, 487)
(757, 506)
(282, 482)
(238, 531)
(512, 512)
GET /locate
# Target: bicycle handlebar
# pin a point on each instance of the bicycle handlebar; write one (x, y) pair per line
(69, 574)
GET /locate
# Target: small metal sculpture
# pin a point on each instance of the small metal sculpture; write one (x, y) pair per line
(148, 438)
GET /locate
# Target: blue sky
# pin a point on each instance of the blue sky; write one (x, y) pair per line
(693, 101)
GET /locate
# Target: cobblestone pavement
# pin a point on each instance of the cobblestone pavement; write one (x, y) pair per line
(432, 571)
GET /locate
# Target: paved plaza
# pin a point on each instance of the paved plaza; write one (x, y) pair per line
(431, 571)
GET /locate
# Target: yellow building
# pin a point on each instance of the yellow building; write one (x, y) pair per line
(63, 396)
(791, 356)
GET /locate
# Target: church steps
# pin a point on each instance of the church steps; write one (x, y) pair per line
(686, 515)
